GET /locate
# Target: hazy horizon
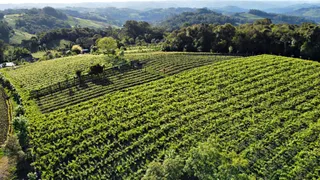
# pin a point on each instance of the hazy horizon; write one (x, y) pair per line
(123, 1)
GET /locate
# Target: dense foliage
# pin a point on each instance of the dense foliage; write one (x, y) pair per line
(262, 111)
(3, 116)
(2, 49)
(39, 20)
(198, 17)
(257, 38)
(278, 18)
(134, 32)
(5, 31)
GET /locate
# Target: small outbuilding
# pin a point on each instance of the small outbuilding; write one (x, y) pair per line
(85, 51)
(7, 64)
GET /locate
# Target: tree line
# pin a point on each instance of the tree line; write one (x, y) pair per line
(260, 37)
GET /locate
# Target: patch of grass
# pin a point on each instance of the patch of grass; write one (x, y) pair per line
(1, 152)
(58, 44)
(12, 18)
(39, 54)
(19, 36)
(86, 23)
(249, 16)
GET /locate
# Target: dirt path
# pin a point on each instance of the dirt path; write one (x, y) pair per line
(4, 167)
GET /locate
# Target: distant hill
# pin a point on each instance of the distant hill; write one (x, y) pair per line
(232, 9)
(149, 4)
(290, 8)
(34, 20)
(253, 15)
(200, 16)
(118, 16)
(312, 13)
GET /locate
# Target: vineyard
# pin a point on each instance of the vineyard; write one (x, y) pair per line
(264, 108)
(54, 91)
(44, 73)
(3, 116)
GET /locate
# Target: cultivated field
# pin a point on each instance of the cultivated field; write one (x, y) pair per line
(264, 108)
(48, 73)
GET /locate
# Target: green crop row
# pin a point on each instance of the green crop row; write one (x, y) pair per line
(265, 108)
(156, 66)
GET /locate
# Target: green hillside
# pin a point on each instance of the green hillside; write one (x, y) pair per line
(253, 15)
(44, 73)
(200, 16)
(27, 23)
(312, 13)
(265, 109)
(78, 22)
(19, 35)
(48, 77)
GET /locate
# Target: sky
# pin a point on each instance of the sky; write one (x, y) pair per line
(77, 1)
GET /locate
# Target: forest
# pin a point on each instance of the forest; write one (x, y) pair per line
(261, 37)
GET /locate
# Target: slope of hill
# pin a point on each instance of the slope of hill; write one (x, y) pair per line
(253, 15)
(42, 74)
(263, 108)
(230, 9)
(290, 8)
(312, 13)
(34, 21)
(19, 35)
(118, 16)
(200, 16)
(61, 71)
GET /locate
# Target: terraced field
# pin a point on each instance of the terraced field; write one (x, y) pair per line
(91, 90)
(169, 64)
(156, 66)
(264, 108)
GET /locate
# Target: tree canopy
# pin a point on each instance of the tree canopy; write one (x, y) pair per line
(256, 38)
(107, 44)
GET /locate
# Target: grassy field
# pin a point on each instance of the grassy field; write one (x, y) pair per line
(3, 117)
(248, 17)
(86, 23)
(19, 36)
(12, 18)
(1, 153)
(263, 108)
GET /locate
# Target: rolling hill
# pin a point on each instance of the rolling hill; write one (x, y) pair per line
(253, 15)
(26, 22)
(200, 16)
(312, 13)
(118, 16)
(264, 109)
